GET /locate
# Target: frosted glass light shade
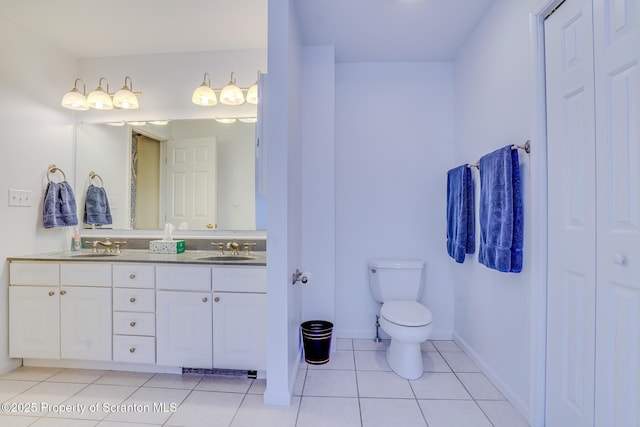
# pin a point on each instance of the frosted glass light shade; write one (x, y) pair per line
(204, 95)
(125, 99)
(252, 94)
(225, 120)
(232, 94)
(75, 100)
(99, 99)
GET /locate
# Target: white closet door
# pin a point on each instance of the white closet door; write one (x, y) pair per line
(572, 215)
(617, 79)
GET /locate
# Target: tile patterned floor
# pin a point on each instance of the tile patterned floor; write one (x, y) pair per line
(356, 388)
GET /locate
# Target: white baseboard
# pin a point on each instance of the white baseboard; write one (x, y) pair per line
(516, 401)
(10, 365)
(367, 334)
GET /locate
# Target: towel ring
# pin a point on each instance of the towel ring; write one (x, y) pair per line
(92, 175)
(53, 169)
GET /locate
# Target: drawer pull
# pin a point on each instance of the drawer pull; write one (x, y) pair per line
(132, 324)
(132, 350)
(51, 293)
(132, 276)
(205, 299)
(216, 299)
(63, 292)
(132, 299)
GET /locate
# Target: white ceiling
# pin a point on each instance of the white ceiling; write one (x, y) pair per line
(361, 30)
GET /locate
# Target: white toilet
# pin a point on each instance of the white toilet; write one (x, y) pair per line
(398, 285)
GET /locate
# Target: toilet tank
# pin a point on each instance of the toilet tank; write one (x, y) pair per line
(396, 279)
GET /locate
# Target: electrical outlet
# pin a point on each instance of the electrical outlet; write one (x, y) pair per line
(20, 198)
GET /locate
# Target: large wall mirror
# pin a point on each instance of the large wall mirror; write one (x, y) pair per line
(195, 174)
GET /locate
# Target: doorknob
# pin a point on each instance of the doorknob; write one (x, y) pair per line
(620, 259)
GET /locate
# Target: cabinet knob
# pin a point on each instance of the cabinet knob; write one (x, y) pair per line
(51, 293)
(132, 324)
(132, 299)
(63, 292)
(217, 299)
(132, 276)
(205, 299)
(132, 350)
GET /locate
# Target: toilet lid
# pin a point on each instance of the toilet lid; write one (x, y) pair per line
(406, 313)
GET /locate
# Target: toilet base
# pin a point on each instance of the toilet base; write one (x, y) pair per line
(405, 359)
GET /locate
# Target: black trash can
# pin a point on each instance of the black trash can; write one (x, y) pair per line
(316, 339)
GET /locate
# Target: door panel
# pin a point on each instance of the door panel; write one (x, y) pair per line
(617, 85)
(571, 218)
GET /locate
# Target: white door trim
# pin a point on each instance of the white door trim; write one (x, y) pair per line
(538, 216)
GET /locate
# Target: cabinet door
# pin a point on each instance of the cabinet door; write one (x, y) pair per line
(34, 322)
(184, 329)
(239, 335)
(85, 323)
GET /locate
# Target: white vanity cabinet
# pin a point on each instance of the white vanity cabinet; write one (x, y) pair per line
(184, 316)
(239, 318)
(70, 319)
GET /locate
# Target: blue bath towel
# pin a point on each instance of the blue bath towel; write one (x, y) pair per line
(96, 206)
(59, 205)
(461, 237)
(501, 214)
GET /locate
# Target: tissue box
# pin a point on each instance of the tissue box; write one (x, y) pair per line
(166, 247)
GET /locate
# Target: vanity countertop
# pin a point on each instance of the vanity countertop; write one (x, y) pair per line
(138, 255)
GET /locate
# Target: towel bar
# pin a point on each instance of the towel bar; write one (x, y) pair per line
(526, 147)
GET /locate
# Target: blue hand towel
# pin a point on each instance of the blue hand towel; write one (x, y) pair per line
(501, 216)
(96, 206)
(59, 205)
(461, 237)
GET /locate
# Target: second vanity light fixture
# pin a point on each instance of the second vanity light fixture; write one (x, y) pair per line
(231, 94)
(100, 99)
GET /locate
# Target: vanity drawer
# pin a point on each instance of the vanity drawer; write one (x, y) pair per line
(133, 276)
(132, 323)
(85, 274)
(134, 349)
(240, 279)
(125, 299)
(183, 278)
(34, 274)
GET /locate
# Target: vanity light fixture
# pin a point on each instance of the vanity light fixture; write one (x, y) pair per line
(115, 123)
(252, 93)
(125, 98)
(231, 94)
(225, 120)
(74, 99)
(99, 99)
(159, 122)
(248, 119)
(137, 123)
(203, 94)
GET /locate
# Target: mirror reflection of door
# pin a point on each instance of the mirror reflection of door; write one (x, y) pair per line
(191, 184)
(145, 182)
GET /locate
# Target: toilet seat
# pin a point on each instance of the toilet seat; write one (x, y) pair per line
(406, 313)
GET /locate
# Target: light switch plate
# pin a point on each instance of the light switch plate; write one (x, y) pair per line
(20, 198)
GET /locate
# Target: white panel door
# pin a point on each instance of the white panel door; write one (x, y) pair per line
(191, 190)
(239, 331)
(34, 322)
(184, 329)
(617, 83)
(572, 215)
(85, 323)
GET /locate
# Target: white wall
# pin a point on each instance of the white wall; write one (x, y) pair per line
(34, 132)
(493, 108)
(394, 145)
